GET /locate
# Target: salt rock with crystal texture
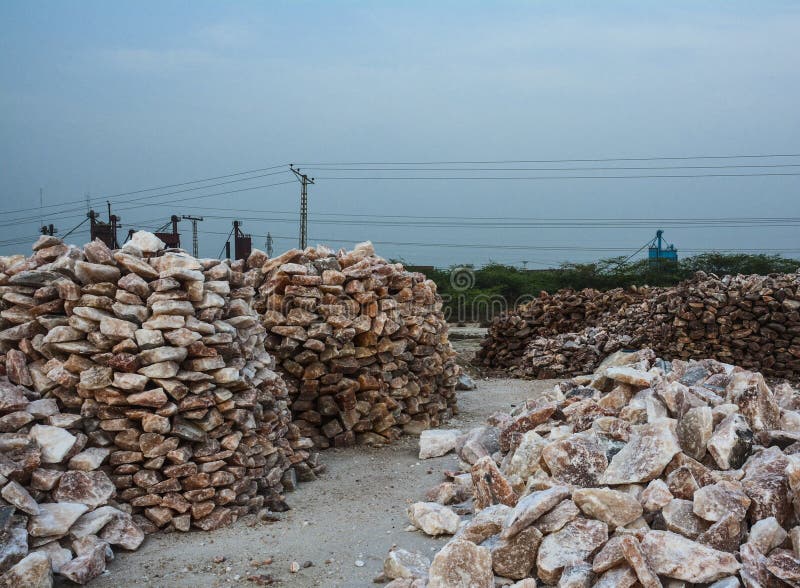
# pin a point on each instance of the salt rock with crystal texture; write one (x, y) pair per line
(55, 442)
(437, 442)
(766, 535)
(574, 543)
(579, 575)
(731, 442)
(89, 563)
(531, 507)
(433, 518)
(484, 524)
(93, 521)
(694, 430)
(33, 571)
(461, 564)
(724, 535)
(145, 242)
(785, 565)
(490, 486)
(405, 564)
(564, 512)
(656, 496)
(649, 450)
(13, 547)
(513, 558)
(675, 556)
(609, 556)
(619, 577)
(93, 273)
(525, 459)
(55, 519)
(18, 497)
(89, 459)
(92, 488)
(715, 501)
(679, 517)
(617, 509)
(682, 483)
(754, 572)
(122, 531)
(638, 562)
(525, 423)
(756, 401)
(629, 375)
(767, 484)
(578, 460)
(58, 555)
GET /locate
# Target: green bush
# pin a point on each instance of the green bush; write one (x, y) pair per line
(495, 282)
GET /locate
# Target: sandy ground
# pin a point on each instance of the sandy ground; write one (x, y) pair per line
(354, 513)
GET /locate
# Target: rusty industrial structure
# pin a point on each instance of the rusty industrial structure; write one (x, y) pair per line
(106, 232)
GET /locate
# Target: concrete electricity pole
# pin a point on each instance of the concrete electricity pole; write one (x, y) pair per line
(194, 220)
(304, 182)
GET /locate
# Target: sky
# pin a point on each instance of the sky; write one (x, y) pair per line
(101, 100)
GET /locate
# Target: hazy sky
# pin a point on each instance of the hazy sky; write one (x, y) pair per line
(106, 97)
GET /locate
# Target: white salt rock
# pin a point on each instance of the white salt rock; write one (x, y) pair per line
(437, 442)
(145, 242)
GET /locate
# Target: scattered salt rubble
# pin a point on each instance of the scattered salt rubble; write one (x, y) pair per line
(361, 342)
(137, 395)
(564, 312)
(751, 321)
(646, 473)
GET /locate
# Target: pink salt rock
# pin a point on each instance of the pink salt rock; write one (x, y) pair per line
(636, 559)
(461, 564)
(724, 535)
(675, 556)
(531, 507)
(515, 557)
(578, 460)
(656, 496)
(717, 500)
(644, 457)
(490, 485)
(575, 543)
(614, 508)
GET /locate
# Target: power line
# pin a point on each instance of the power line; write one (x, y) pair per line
(518, 247)
(606, 168)
(18, 220)
(577, 223)
(512, 218)
(625, 177)
(595, 160)
(164, 187)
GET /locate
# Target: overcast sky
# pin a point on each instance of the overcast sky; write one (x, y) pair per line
(102, 98)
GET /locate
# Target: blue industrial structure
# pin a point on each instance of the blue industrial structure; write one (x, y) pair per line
(660, 252)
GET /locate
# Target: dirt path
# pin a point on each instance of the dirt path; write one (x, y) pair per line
(355, 512)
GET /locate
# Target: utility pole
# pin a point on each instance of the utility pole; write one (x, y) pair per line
(194, 220)
(304, 182)
(269, 245)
